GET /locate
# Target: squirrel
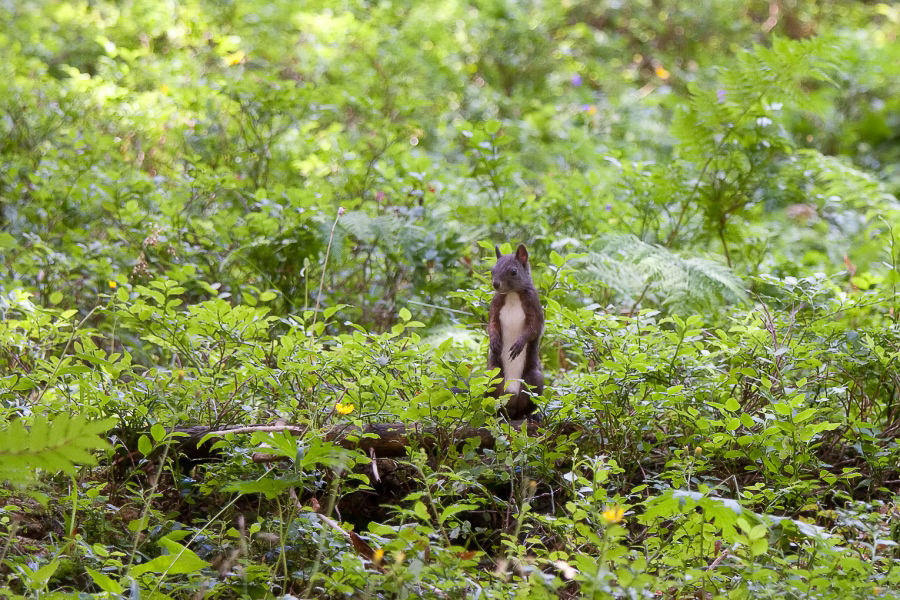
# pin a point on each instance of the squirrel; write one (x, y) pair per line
(515, 325)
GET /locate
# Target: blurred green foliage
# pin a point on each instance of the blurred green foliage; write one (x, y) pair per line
(232, 212)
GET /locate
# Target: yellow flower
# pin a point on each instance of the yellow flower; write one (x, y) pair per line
(662, 73)
(112, 284)
(235, 58)
(343, 409)
(614, 514)
(379, 556)
(164, 88)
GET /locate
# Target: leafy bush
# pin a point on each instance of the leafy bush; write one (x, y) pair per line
(245, 251)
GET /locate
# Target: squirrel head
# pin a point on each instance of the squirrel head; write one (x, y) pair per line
(511, 272)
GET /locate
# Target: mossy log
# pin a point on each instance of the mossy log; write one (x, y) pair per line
(382, 440)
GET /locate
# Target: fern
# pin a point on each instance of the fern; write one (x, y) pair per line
(389, 233)
(56, 445)
(638, 271)
(838, 183)
(746, 94)
(731, 133)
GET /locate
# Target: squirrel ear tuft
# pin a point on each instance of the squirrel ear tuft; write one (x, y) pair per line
(497, 250)
(522, 254)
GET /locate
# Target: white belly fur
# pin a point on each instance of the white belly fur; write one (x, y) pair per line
(512, 322)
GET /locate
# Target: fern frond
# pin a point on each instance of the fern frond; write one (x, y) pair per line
(635, 268)
(56, 445)
(836, 181)
(388, 232)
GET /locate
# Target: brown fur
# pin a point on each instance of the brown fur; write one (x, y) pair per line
(512, 274)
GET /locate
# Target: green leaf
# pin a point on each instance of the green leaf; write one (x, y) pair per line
(179, 561)
(804, 415)
(326, 454)
(455, 509)
(329, 312)
(145, 446)
(104, 582)
(815, 428)
(41, 577)
(421, 511)
(782, 409)
(757, 532)
(759, 547)
(158, 432)
(270, 488)
(140, 524)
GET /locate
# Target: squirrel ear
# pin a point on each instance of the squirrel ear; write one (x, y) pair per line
(522, 254)
(497, 250)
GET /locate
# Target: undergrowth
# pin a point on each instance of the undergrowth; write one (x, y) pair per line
(244, 254)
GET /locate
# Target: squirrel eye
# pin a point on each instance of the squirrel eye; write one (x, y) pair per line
(515, 272)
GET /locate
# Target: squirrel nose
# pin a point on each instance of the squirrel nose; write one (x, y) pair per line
(496, 285)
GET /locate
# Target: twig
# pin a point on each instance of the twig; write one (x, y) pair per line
(255, 428)
(719, 559)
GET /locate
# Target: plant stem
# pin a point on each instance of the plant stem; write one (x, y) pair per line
(724, 243)
(325, 267)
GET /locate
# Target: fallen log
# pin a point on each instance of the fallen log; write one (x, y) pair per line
(383, 440)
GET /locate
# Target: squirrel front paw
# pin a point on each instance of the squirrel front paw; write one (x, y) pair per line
(516, 349)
